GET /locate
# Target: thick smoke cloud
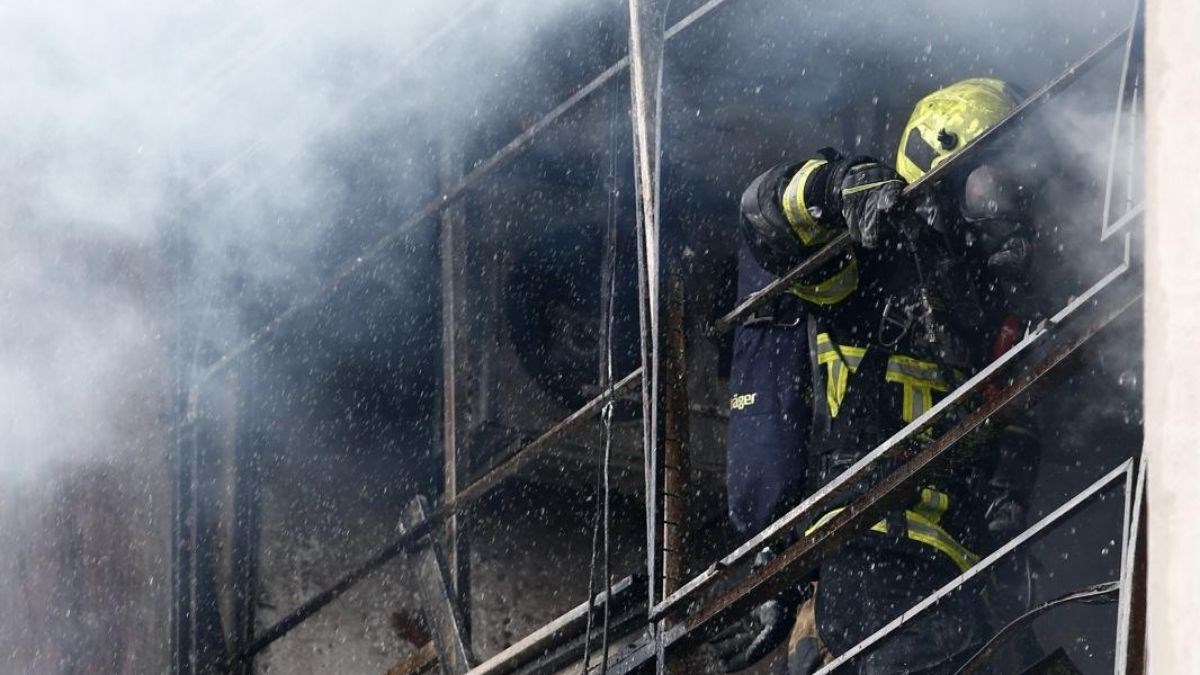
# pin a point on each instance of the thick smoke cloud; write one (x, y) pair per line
(168, 164)
(125, 124)
(123, 120)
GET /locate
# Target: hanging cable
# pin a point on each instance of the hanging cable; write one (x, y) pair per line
(602, 519)
(591, 590)
(609, 316)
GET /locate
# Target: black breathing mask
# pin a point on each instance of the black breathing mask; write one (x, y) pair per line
(994, 207)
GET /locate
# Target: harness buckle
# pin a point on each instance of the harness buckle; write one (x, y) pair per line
(896, 318)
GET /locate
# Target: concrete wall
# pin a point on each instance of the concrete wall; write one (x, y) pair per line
(1172, 326)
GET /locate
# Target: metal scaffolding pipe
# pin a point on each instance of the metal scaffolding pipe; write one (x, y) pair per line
(798, 555)
(1055, 86)
(354, 266)
(1046, 93)
(465, 498)
(890, 493)
(1103, 592)
(676, 464)
(892, 447)
(1108, 589)
(779, 286)
(646, 46)
(566, 626)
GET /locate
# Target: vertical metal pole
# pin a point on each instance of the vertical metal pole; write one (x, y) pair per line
(212, 522)
(1135, 645)
(645, 51)
(246, 501)
(454, 407)
(676, 447)
(647, 19)
(647, 24)
(1126, 99)
(676, 465)
(444, 616)
(184, 568)
(1131, 622)
(1132, 174)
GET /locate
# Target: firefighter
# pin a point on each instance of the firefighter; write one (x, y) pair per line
(886, 329)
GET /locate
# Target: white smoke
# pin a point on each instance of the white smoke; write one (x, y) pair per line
(225, 135)
(123, 120)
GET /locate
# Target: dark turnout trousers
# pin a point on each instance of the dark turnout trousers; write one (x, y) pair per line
(864, 586)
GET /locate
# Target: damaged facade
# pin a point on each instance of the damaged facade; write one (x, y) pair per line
(404, 466)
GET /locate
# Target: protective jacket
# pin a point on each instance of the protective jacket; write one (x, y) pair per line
(891, 326)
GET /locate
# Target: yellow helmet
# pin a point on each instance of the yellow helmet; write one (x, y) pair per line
(948, 119)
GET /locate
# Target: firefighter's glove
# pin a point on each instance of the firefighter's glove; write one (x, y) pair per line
(870, 192)
(757, 634)
(806, 652)
(1004, 246)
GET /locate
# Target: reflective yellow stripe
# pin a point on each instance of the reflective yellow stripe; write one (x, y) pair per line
(921, 529)
(869, 186)
(803, 223)
(823, 520)
(933, 504)
(920, 379)
(827, 351)
(900, 365)
(932, 534)
(831, 291)
(837, 374)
